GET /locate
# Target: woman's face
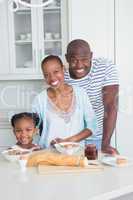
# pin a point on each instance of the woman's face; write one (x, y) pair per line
(24, 130)
(53, 73)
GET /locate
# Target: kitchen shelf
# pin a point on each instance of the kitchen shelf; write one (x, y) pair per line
(22, 42)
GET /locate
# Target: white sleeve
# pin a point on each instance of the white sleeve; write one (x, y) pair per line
(89, 115)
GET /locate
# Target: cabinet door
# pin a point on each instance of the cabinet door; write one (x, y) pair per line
(7, 138)
(52, 29)
(94, 22)
(23, 40)
(4, 56)
(34, 33)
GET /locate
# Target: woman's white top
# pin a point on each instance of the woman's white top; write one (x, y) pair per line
(61, 124)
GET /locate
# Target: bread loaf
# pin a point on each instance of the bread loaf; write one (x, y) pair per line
(45, 157)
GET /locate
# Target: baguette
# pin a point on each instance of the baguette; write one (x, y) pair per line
(52, 158)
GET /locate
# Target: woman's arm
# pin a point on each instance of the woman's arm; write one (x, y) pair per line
(79, 136)
(75, 138)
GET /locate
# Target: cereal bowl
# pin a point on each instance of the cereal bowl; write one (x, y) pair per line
(13, 155)
(70, 148)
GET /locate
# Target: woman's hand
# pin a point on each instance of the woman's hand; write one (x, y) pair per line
(57, 140)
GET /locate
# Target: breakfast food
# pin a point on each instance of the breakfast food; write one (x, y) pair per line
(121, 161)
(17, 152)
(69, 146)
(46, 157)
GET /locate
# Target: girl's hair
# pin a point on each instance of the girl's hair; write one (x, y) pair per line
(51, 57)
(25, 115)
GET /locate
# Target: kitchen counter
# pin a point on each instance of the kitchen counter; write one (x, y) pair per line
(109, 183)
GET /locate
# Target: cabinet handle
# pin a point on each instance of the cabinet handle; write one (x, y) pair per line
(40, 55)
(34, 60)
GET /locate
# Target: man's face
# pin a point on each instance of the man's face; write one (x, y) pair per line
(79, 62)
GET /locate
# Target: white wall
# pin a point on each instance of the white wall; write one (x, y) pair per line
(124, 55)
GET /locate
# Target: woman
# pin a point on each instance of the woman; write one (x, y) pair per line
(62, 107)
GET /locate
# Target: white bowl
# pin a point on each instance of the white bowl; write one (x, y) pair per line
(13, 155)
(69, 148)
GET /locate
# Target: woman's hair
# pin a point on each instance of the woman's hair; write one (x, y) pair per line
(25, 115)
(51, 57)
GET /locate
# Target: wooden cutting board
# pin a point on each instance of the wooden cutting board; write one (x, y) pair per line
(43, 169)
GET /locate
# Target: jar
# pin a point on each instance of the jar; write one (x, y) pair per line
(91, 152)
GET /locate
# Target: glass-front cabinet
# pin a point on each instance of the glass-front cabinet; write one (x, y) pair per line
(35, 33)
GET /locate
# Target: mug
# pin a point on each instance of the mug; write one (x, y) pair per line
(48, 36)
(91, 152)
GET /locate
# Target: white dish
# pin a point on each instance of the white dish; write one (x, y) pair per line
(13, 155)
(109, 160)
(69, 148)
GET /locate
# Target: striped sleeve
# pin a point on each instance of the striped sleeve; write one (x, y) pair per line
(111, 74)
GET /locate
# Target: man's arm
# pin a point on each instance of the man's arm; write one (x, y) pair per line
(110, 102)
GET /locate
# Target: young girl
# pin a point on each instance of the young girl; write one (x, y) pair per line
(65, 110)
(24, 127)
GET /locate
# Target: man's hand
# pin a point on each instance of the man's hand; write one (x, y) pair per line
(109, 150)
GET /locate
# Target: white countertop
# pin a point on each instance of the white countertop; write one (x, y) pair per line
(29, 185)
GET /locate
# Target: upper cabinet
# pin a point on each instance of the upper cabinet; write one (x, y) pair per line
(94, 22)
(33, 34)
(4, 56)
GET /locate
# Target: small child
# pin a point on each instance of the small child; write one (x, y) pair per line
(24, 127)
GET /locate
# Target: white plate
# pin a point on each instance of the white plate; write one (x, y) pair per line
(69, 148)
(109, 160)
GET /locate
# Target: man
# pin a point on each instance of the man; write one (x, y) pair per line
(99, 78)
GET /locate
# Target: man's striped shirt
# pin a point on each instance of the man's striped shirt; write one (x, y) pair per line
(103, 73)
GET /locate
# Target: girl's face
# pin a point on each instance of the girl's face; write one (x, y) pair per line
(24, 130)
(53, 73)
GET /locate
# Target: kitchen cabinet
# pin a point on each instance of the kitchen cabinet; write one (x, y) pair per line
(93, 21)
(4, 61)
(33, 34)
(7, 138)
